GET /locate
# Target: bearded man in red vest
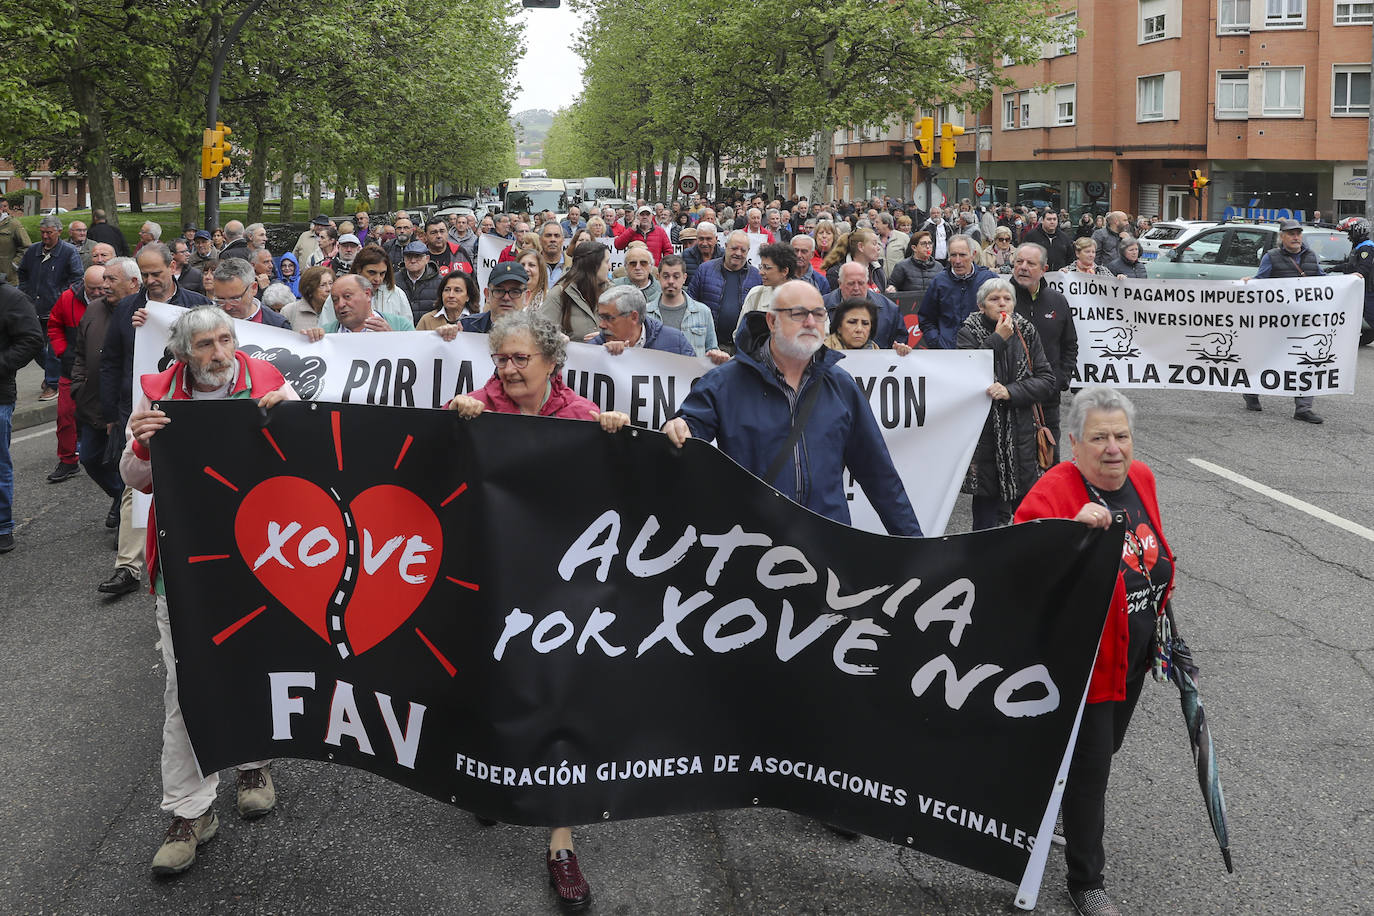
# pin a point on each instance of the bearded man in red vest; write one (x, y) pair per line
(208, 366)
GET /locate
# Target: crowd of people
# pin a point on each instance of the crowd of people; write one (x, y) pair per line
(772, 294)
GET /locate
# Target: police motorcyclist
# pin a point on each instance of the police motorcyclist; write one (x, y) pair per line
(1361, 261)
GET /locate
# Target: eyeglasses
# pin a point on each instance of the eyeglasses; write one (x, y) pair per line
(521, 360)
(799, 315)
(505, 292)
(229, 300)
(610, 317)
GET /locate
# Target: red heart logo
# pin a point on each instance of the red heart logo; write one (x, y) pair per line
(363, 573)
(400, 546)
(291, 534)
(1143, 541)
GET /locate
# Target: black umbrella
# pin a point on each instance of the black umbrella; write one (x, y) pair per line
(1185, 674)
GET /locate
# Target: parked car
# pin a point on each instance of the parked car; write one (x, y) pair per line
(1232, 251)
(1164, 237)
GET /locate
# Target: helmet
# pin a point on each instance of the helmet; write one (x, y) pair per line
(1357, 227)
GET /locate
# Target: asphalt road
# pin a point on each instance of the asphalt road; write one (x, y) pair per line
(1275, 602)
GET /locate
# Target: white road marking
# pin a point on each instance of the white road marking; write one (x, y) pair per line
(45, 431)
(1279, 496)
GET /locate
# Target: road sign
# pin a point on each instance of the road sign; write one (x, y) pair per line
(687, 184)
(1095, 189)
(979, 186)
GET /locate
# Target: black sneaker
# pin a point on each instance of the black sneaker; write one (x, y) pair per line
(112, 517)
(63, 471)
(1093, 902)
(1305, 416)
(6, 543)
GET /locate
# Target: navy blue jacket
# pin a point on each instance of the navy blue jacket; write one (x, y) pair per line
(743, 406)
(890, 328)
(477, 324)
(117, 356)
(948, 301)
(44, 281)
(658, 336)
(708, 286)
(691, 258)
(818, 280)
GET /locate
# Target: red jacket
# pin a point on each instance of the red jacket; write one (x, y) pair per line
(562, 402)
(264, 377)
(1060, 494)
(62, 321)
(657, 240)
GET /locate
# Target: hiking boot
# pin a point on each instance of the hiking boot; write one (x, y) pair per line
(256, 794)
(63, 471)
(1093, 902)
(178, 850)
(566, 879)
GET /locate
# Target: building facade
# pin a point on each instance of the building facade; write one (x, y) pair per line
(1268, 98)
(69, 191)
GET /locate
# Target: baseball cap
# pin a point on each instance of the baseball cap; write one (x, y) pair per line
(416, 248)
(202, 234)
(349, 238)
(321, 220)
(507, 270)
(647, 210)
(1287, 225)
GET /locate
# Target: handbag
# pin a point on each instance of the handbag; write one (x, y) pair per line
(1044, 439)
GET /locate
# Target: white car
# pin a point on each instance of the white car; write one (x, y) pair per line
(1164, 237)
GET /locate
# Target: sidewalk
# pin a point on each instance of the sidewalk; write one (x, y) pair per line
(28, 410)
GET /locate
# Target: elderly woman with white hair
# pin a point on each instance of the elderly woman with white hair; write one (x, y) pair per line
(1104, 480)
(1005, 464)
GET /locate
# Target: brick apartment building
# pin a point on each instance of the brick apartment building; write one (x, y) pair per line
(68, 189)
(1269, 98)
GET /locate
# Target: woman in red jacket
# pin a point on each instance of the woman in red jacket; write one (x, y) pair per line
(528, 352)
(1101, 481)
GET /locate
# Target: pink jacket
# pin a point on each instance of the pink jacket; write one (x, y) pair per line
(562, 402)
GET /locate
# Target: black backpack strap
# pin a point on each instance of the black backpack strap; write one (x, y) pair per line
(799, 421)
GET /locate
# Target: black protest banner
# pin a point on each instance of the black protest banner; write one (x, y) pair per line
(546, 623)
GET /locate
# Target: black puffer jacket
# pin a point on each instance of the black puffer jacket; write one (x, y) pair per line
(1008, 358)
(21, 338)
(421, 292)
(913, 276)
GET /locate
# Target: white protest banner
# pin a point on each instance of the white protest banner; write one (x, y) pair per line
(930, 405)
(617, 255)
(1291, 337)
(756, 241)
(489, 248)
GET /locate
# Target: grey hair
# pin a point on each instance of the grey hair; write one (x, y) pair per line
(253, 227)
(1126, 241)
(1097, 397)
(159, 249)
(863, 223)
(707, 226)
(973, 247)
(194, 322)
(231, 269)
(128, 267)
(752, 210)
(154, 229)
(552, 342)
(886, 219)
(1040, 251)
(364, 283)
(993, 285)
(808, 239)
(278, 296)
(626, 299)
(50, 222)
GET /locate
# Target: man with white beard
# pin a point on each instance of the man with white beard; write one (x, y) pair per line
(208, 366)
(802, 442)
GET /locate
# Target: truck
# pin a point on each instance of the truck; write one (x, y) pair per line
(530, 195)
(599, 192)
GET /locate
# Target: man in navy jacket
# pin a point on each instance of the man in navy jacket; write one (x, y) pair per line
(748, 406)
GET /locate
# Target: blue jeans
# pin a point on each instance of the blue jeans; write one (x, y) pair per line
(6, 471)
(106, 476)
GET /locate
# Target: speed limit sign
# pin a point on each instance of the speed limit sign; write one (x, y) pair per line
(979, 186)
(687, 184)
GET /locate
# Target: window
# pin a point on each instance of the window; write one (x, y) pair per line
(1065, 98)
(1356, 12)
(1233, 16)
(1069, 45)
(1246, 247)
(1283, 92)
(1154, 27)
(1152, 17)
(1015, 110)
(1203, 249)
(1280, 14)
(1149, 105)
(1233, 94)
(1350, 91)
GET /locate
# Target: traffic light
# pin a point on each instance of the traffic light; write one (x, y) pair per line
(1199, 182)
(948, 132)
(925, 141)
(213, 151)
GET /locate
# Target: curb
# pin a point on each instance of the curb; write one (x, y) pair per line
(34, 414)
